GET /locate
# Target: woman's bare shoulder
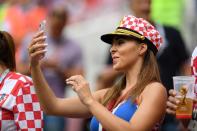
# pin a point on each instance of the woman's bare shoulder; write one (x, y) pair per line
(155, 88)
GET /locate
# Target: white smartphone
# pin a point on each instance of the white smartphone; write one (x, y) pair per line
(42, 26)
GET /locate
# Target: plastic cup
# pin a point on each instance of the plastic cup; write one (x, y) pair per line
(184, 86)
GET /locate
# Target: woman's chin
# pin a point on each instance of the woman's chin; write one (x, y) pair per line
(117, 68)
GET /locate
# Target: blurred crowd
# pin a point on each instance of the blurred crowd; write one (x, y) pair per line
(73, 31)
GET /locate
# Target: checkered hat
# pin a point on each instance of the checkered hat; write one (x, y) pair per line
(138, 28)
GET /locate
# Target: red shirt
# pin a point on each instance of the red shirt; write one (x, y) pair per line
(19, 105)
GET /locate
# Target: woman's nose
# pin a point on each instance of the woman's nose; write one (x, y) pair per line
(113, 48)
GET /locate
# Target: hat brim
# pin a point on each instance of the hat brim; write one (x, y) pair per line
(120, 31)
(108, 38)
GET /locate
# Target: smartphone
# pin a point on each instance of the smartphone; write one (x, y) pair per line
(42, 26)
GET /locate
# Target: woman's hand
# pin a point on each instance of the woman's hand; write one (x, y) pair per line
(81, 87)
(172, 103)
(37, 48)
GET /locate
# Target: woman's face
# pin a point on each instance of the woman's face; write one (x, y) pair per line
(124, 52)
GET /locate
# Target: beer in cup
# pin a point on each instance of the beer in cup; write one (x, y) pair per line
(184, 86)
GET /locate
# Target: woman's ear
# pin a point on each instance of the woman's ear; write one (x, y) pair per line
(142, 48)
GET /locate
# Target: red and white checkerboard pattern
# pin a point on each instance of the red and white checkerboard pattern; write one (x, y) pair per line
(194, 66)
(20, 108)
(142, 27)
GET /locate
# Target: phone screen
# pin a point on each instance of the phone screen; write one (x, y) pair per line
(42, 25)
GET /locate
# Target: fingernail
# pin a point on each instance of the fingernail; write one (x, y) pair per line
(41, 31)
(44, 37)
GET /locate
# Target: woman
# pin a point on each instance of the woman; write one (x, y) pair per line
(19, 106)
(136, 102)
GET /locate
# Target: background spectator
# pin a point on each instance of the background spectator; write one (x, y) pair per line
(19, 105)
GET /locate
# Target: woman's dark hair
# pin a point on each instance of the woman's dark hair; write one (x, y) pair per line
(7, 51)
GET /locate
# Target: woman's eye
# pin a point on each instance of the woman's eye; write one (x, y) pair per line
(119, 42)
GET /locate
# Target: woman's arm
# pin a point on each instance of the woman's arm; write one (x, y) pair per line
(150, 111)
(70, 107)
(152, 108)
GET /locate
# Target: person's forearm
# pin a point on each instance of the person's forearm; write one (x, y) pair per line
(72, 71)
(109, 121)
(44, 93)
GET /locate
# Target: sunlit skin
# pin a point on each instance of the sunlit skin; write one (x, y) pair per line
(128, 54)
(124, 52)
